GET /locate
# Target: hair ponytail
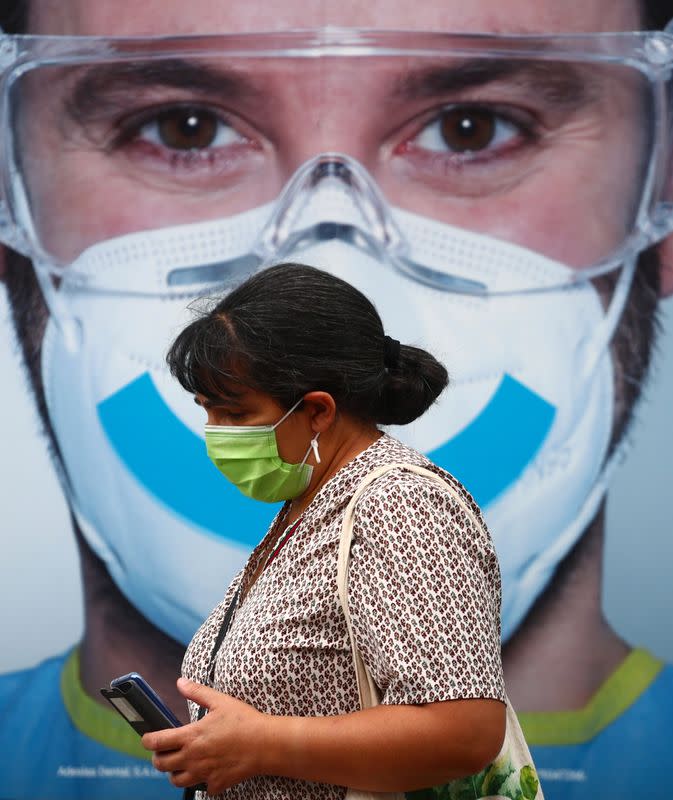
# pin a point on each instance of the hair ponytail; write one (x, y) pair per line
(410, 386)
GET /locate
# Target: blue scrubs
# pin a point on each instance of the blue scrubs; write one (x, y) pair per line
(619, 746)
(57, 744)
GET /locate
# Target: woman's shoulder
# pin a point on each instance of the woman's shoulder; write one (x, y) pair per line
(418, 497)
(401, 480)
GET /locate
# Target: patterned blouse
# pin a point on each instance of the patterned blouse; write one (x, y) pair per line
(424, 596)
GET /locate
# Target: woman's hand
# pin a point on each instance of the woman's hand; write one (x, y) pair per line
(218, 750)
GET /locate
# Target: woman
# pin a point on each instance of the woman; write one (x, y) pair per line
(295, 374)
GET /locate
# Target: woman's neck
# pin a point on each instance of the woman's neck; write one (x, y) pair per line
(342, 446)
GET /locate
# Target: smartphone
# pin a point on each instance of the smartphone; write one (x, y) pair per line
(139, 704)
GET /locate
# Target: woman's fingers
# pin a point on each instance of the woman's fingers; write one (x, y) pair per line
(166, 740)
(182, 779)
(169, 762)
(198, 693)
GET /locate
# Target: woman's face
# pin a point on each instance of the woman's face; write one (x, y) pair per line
(248, 406)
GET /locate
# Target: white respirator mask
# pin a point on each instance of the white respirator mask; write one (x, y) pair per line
(525, 424)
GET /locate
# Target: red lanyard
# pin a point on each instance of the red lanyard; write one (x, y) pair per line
(283, 540)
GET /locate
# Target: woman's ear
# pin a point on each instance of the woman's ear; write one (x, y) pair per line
(321, 409)
(665, 250)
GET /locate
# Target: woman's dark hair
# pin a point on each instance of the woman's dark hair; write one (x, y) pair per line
(292, 329)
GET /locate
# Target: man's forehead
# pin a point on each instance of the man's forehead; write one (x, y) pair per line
(175, 17)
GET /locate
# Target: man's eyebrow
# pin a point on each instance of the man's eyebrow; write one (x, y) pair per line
(557, 82)
(108, 85)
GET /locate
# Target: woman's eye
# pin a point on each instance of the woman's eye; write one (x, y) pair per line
(231, 417)
(188, 129)
(465, 129)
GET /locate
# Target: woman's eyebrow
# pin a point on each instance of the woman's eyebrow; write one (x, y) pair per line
(208, 404)
(561, 83)
(228, 404)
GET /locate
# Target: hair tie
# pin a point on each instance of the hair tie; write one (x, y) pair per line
(391, 351)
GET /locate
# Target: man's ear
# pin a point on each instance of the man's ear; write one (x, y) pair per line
(665, 250)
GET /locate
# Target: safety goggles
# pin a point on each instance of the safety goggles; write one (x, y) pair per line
(557, 144)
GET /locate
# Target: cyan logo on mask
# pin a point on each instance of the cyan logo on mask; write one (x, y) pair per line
(491, 453)
(170, 461)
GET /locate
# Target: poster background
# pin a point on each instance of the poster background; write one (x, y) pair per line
(39, 579)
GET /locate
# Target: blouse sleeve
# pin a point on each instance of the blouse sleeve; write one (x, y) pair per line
(424, 594)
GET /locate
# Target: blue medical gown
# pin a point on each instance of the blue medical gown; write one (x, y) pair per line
(619, 746)
(47, 757)
(623, 743)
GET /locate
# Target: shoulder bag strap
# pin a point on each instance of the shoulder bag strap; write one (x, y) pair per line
(369, 695)
(367, 689)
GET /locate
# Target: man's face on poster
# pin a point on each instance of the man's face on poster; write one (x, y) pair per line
(548, 155)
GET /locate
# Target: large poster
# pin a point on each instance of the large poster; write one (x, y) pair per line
(463, 191)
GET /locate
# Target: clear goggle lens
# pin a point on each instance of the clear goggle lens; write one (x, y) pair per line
(551, 154)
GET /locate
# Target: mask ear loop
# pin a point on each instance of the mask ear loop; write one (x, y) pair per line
(287, 414)
(314, 441)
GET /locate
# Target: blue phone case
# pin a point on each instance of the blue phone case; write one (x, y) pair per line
(139, 704)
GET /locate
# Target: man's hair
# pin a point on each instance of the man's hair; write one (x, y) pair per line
(657, 13)
(14, 14)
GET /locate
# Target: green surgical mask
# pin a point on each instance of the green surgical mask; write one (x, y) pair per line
(248, 456)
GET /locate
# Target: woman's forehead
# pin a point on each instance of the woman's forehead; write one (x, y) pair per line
(171, 17)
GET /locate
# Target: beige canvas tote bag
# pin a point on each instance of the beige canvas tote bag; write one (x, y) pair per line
(512, 775)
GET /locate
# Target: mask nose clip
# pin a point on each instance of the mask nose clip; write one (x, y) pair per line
(359, 215)
(331, 166)
(329, 198)
(351, 210)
